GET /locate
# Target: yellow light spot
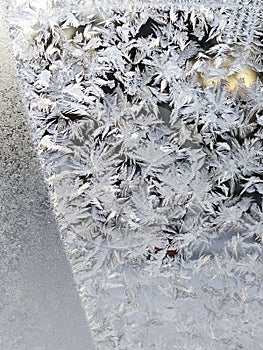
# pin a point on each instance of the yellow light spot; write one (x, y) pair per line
(245, 77)
(69, 32)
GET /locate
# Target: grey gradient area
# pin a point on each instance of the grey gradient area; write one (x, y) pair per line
(39, 306)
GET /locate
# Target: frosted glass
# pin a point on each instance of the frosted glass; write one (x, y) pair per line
(39, 306)
(147, 117)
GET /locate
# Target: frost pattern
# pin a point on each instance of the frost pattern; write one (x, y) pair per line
(151, 139)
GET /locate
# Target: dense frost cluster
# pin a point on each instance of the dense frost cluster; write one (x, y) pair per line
(148, 120)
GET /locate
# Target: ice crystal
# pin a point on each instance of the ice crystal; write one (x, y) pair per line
(148, 120)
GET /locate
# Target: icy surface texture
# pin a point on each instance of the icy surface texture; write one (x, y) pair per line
(40, 308)
(148, 121)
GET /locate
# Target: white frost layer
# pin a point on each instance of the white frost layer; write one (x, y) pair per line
(110, 212)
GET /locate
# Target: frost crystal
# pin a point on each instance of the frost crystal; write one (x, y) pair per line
(148, 121)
